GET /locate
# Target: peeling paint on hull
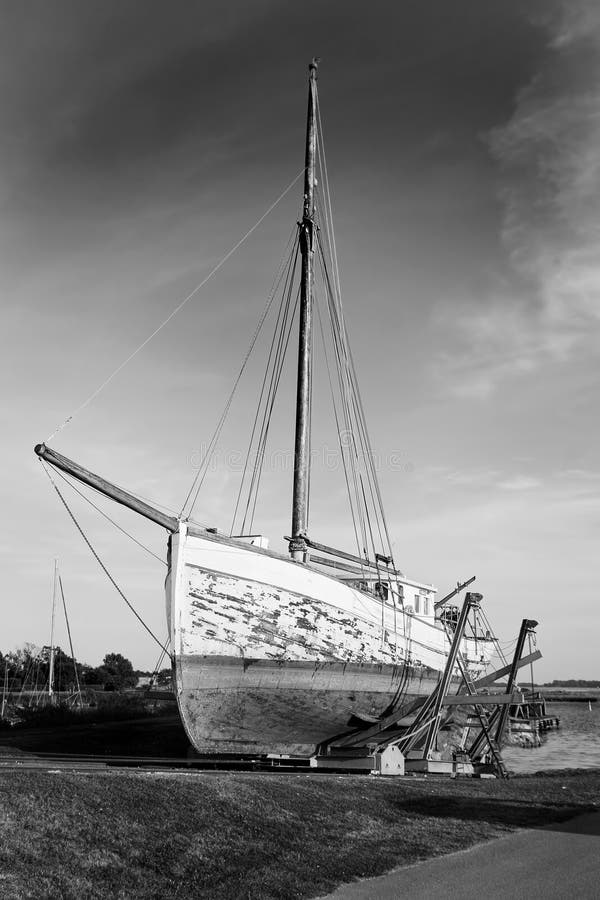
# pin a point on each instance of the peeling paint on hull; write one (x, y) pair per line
(273, 657)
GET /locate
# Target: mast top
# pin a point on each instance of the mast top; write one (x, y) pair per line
(314, 65)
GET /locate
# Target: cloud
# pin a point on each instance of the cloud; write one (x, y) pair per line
(546, 307)
(519, 483)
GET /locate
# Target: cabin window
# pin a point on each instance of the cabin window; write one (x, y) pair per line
(425, 606)
(382, 590)
(417, 604)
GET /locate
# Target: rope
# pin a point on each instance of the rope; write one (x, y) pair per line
(179, 307)
(64, 603)
(108, 518)
(99, 561)
(205, 462)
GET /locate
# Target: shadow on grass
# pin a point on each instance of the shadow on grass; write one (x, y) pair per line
(495, 811)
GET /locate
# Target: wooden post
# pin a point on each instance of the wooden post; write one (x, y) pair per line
(303, 394)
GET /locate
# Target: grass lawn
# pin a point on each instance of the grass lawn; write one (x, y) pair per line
(251, 835)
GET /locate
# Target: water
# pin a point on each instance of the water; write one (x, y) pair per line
(575, 745)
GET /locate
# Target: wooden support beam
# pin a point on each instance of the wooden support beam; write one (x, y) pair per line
(479, 700)
(375, 731)
(500, 673)
(459, 587)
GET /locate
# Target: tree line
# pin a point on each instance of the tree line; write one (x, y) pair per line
(28, 668)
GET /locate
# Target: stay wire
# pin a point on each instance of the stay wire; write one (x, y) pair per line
(177, 309)
(64, 603)
(350, 444)
(282, 346)
(339, 431)
(205, 462)
(288, 271)
(108, 518)
(269, 376)
(330, 232)
(99, 561)
(270, 411)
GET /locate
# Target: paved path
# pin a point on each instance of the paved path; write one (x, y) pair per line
(561, 862)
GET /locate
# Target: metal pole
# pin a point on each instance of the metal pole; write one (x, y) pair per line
(303, 394)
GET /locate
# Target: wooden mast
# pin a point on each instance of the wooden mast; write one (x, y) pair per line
(303, 396)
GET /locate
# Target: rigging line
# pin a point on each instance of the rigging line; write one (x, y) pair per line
(270, 411)
(370, 473)
(337, 349)
(156, 669)
(349, 363)
(98, 560)
(277, 368)
(204, 463)
(106, 516)
(274, 368)
(337, 423)
(370, 452)
(179, 307)
(64, 603)
(343, 387)
(289, 274)
(327, 194)
(365, 448)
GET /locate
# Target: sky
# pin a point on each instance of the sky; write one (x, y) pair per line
(142, 140)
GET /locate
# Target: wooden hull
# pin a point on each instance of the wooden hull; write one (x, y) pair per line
(274, 657)
(257, 706)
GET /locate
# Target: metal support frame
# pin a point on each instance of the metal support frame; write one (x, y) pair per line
(428, 718)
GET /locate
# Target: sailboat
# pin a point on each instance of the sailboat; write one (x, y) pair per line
(277, 653)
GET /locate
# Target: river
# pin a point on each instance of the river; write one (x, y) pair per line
(574, 745)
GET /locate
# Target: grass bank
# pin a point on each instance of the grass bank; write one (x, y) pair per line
(222, 835)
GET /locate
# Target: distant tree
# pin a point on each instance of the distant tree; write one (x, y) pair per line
(95, 675)
(164, 677)
(27, 666)
(65, 668)
(119, 672)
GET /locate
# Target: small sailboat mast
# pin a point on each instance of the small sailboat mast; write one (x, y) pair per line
(303, 394)
(51, 648)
